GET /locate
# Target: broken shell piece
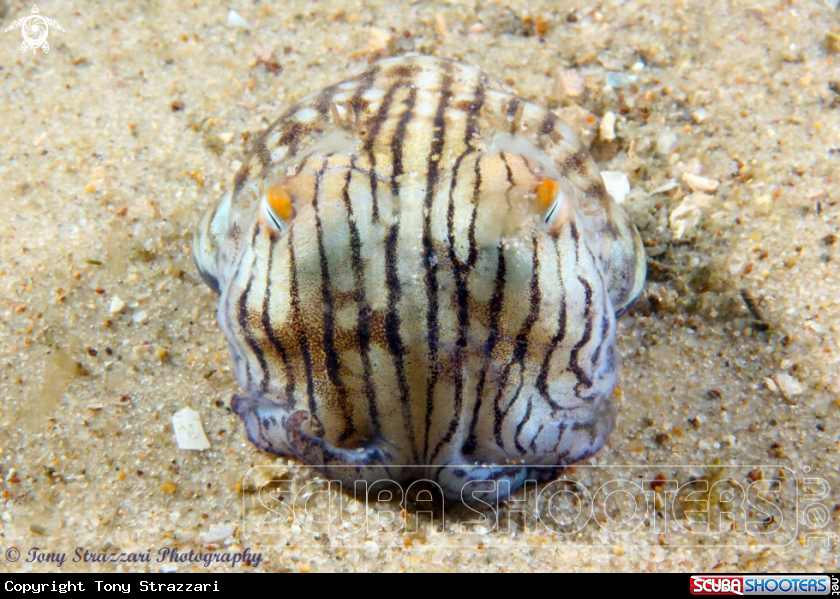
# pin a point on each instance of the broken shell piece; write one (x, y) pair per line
(617, 184)
(573, 83)
(686, 216)
(665, 187)
(607, 128)
(219, 534)
(698, 183)
(189, 431)
(789, 385)
(235, 19)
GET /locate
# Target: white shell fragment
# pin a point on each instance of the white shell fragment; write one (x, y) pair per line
(617, 184)
(698, 183)
(686, 216)
(607, 127)
(219, 534)
(789, 385)
(117, 305)
(573, 83)
(665, 187)
(189, 431)
(620, 80)
(235, 19)
(667, 143)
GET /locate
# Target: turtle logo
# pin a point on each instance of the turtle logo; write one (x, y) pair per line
(35, 31)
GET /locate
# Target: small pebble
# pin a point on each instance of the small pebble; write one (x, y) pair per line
(822, 408)
(789, 385)
(117, 305)
(573, 83)
(371, 549)
(38, 529)
(189, 432)
(667, 143)
(141, 350)
(124, 402)
(619, 80)
(693, 166)
(700, 116)
(140, 316)
(219, 534)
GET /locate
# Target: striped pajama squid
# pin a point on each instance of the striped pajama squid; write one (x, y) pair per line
(419, 275)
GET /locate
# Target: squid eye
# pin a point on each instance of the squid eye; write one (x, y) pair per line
(548, 199)
(278, 207)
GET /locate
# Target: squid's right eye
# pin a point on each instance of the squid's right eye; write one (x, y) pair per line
(553, 203)
(278, 207)
(548, 200)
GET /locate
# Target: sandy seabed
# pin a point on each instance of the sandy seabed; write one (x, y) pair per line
(114, 143)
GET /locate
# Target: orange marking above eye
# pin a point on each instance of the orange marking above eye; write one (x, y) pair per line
(546, 192)
(280, 202)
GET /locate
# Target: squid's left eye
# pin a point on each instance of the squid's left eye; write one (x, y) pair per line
(278, 207)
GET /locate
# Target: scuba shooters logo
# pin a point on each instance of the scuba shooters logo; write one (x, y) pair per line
(763, 585)
(717, 585)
